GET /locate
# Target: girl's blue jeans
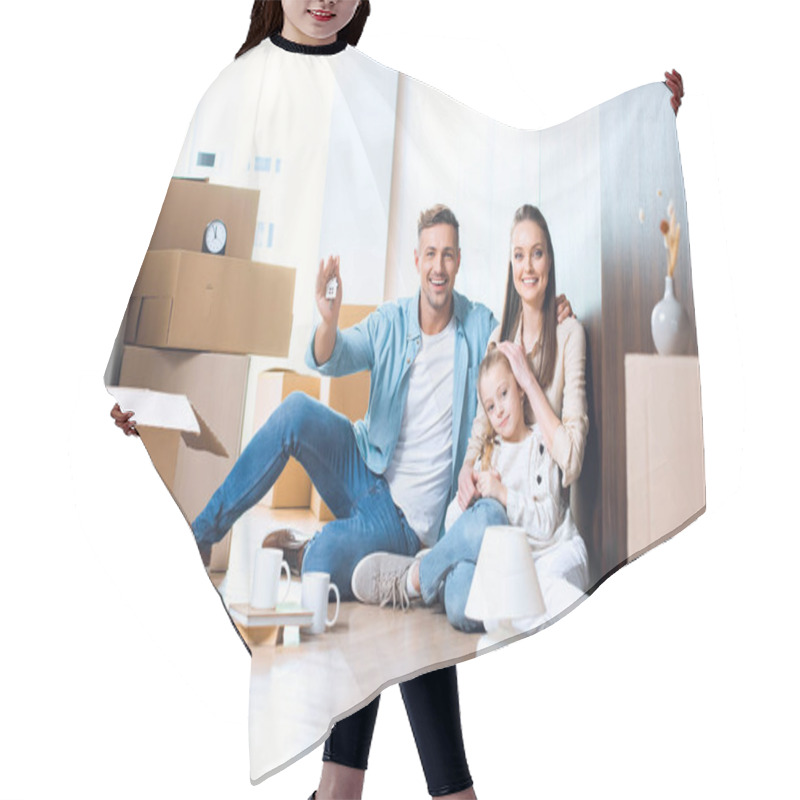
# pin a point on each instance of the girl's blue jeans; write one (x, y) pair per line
(445, 571)
(323, 442)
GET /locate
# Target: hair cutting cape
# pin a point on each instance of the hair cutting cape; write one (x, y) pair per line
(301, 154)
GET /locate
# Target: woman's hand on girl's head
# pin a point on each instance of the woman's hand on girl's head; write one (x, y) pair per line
(519, 364)
(467, 491)
(124, 420)
(329, 307)
(563, 308)
(674, 83)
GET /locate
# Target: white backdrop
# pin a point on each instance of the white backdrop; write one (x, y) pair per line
(121, 676)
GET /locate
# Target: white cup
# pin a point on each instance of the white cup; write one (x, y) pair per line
(316, 589)
(267, 570)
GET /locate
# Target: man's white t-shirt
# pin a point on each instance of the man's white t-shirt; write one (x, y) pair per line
(420, 472)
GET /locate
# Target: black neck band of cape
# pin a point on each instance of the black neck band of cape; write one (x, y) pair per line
(308, 49)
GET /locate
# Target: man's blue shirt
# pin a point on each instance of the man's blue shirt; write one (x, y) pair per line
(386, 343)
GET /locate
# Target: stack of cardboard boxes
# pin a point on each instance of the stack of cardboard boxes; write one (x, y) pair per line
(194, 321)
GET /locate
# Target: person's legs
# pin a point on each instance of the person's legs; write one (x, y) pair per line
(319, 438)
(433, 710)
(375, 524)
(568, 560)
(432, 705)
(446, 570)
(346, 754)
(461, 543)
(457, 584)
(338, 782)
(351, 737)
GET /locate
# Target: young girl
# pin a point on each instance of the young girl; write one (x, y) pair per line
(515, 467)
(518, 483)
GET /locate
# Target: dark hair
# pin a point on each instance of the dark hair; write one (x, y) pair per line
(266, 19)
(512, 310)
(437, 215)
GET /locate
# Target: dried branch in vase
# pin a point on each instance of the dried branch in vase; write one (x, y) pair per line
(672, 236)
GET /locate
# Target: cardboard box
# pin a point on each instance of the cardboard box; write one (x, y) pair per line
(215, 384)
(349, 395)
(190, 205)
(197, 301)
(293, 488)
(350, 315)
(319, 508)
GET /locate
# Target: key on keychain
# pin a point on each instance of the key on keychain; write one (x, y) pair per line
(331, 288)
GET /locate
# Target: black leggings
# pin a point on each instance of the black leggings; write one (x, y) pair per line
(431, 702)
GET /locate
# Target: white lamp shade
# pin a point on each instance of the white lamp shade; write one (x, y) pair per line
(505, 585)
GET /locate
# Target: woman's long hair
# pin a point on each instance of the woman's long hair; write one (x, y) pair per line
(266, 19)
(512, 309)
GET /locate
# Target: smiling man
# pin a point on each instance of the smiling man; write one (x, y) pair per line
(437, 259)
(422, 352)
(389, 477)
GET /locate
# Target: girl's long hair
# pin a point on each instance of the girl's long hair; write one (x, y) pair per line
(489, 438)
(266, 19)
(512, 309)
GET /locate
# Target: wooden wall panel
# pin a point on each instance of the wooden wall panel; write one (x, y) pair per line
(633, 172)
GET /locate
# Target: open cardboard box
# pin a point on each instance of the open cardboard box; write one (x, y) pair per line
(215, 385)
(172, 415)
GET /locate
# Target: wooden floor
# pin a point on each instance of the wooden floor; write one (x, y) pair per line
(303, 684)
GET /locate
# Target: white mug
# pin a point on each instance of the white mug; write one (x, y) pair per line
(267, 570)
(316, 589)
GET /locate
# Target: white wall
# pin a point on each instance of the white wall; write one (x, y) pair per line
(484, 170)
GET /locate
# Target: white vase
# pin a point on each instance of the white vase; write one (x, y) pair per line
(670, 324)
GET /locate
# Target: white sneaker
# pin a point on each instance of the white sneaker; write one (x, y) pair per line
(380, 579)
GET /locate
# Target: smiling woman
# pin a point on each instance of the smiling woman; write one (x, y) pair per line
(531, 283)
(307, 22)
(316, 21)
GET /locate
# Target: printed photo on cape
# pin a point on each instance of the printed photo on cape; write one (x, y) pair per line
(216, 354)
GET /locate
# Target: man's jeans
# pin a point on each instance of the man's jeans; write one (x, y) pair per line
(445, 572)
(323, 442)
